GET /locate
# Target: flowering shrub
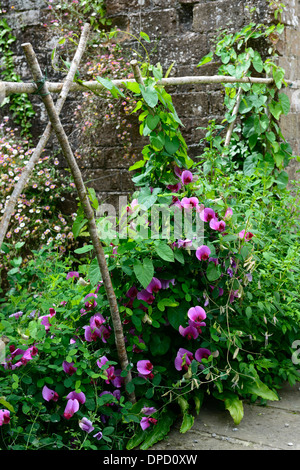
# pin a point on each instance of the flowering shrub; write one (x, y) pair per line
(36, 219)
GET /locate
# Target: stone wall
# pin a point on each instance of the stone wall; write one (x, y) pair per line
(181, 32)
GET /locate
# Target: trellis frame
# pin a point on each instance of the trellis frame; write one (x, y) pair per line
(44, 89)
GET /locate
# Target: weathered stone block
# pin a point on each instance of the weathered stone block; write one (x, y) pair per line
(191, 104)
(218, 15)
(114, 7)
(148, 23)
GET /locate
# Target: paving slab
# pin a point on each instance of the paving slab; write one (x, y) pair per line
(275, 426)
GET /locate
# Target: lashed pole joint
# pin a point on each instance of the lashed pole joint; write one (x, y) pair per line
(88, 211)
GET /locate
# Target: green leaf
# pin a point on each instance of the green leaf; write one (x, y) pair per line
(108, 84)
(150, 95)
(145, 36)
(257, 62)
(137, 165)
(84, 249)
(187, 423)
(159, 344)
(213, 272)
(164, 251)
(207, 58)
(172, 145)
(94, 273)
(282, 180)
(285, 103)
(163, 303)
(260, 389)
(144, 271)
(6, 404)
(152, 121)
(159, 430)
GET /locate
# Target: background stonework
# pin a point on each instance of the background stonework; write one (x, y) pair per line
(181, 32)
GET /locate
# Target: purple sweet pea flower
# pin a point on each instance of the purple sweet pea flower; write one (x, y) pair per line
(228, 213)
(86, 425)
(71, 408)
(154, 286)
(196, 314)
(183, 359)
(146, 296)
(146, 421)
(80, 397)
(16, 315)
(218, 225)
(69, 368)
(174, 187)
(148, 410)
(203, 252)
(90, 301)
(186, 177)
(166, 283)
(245, 236)
(202, 353)
(72, 274)
(98, 435)
(144, 367)
(4, 417)
(207, 214)
(49, 394)
(97, 320)
(189, 332)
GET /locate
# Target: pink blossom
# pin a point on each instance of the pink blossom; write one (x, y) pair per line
(186, 177)
(49, 394)
(71, 408)
(203, 252)
(144, 367)
(4, 417)
(196, 314)
(207, 214)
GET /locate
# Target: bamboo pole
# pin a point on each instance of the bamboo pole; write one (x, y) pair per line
(24, 177)
(88, 211)
(56, 87)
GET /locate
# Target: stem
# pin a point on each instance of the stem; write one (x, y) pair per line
(85, 202)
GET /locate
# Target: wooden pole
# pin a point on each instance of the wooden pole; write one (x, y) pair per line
(88, 211)
(54, 87)
(25, 176)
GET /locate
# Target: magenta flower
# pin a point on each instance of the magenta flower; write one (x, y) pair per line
(146, 421)
(166, 283)
(228, 213)
(207, 214)
(80, 397)
(71, 408)
(178, 171)
(16, 315)
(189, 202)
(185, 243)
(186, 177)
(174, 187)
(183, 359)
(69, 368)
(132, 292)
(29, 354)
(97, 320)
(90, 301)
(196, 314)
(218, 225)
(146, 296)
(246, 236)
(189, 332)
(86, 425)
(154, 286)
(72, 274)
(144, 367)
(49, 394)
(203, 252)
(148, 410)
(4, 417)
(202, 353)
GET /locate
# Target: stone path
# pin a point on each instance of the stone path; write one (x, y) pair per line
(272, 427)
